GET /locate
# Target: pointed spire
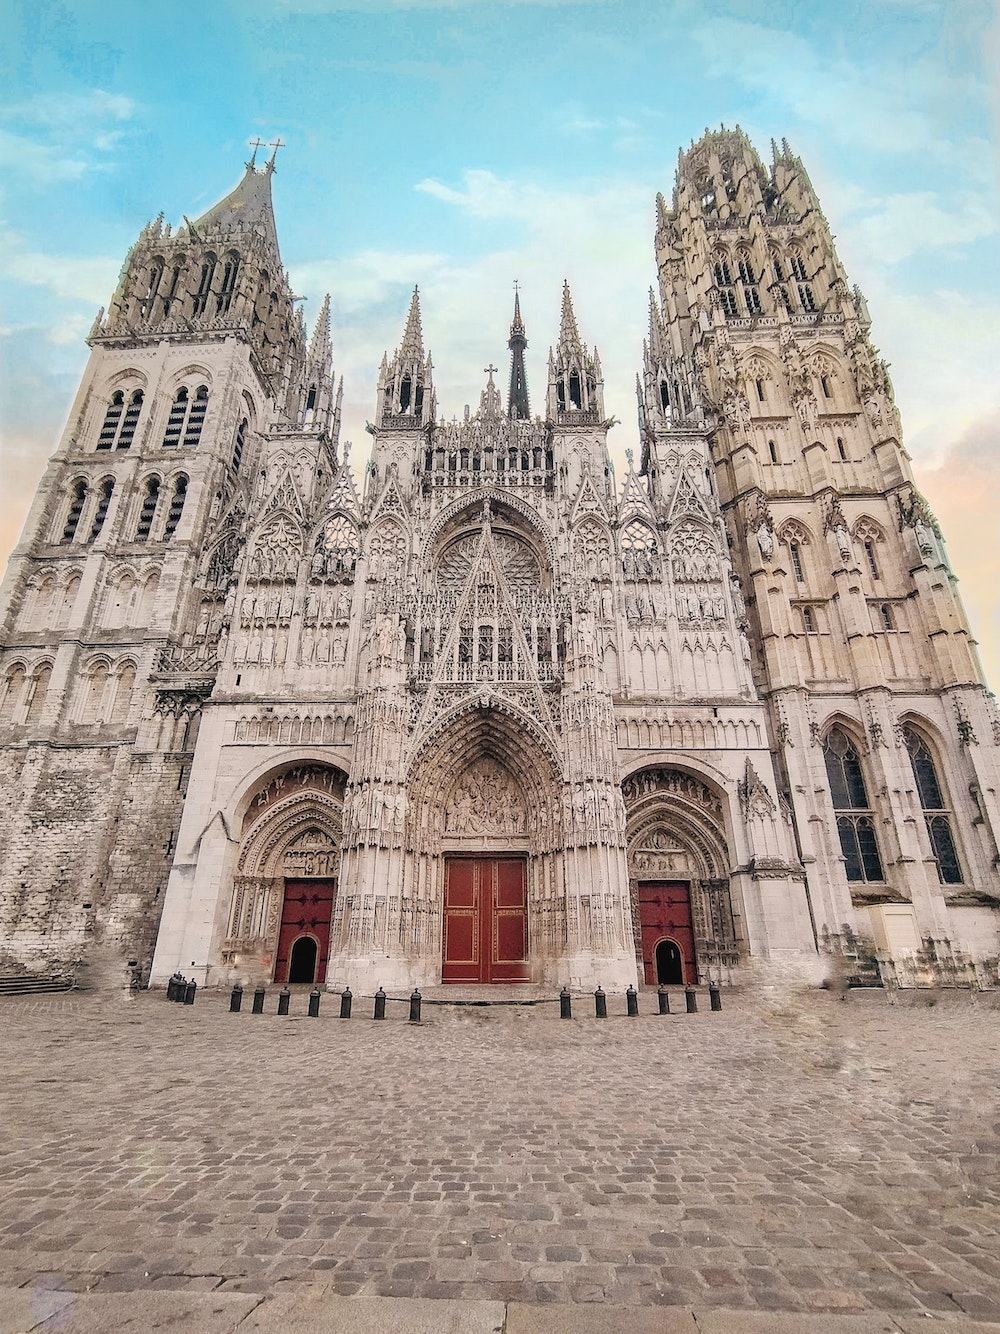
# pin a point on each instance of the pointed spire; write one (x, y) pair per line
(319, 345)
(412, 346)
(517, 397)
(569, 335)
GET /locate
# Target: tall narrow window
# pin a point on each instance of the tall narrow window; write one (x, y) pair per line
(855, 819)
(204, 285)
(772, 449)
(936, 814)
(760, 390)
(112, 420)
(825, 384)
(148, 308)
(131, 420)
(872, 561)
(75, 510)
(148, 510)
(38, 689)
(169, 299)
(840, 448)
(748, 278)
(101, 513)
(176, 507)
(196, 417)
(175, 422)
(796, 555)
(885, 614)
(240, 444)
(229, 273)
(809, 620)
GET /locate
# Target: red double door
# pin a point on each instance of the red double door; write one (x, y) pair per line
(485, 920)
(667, 933)
(304, 938)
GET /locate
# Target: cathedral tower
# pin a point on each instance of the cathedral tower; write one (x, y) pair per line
(883, 732)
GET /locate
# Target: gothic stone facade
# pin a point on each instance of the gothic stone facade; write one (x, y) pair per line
(488, 717)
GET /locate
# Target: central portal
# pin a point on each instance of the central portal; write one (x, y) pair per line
(485, 920)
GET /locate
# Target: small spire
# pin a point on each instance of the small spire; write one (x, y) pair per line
(254, 144)
(275, 144)
(412, 345)
(517, 396)
(568, 332)
(319, 346)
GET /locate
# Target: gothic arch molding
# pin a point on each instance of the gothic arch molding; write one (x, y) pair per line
(500, 501)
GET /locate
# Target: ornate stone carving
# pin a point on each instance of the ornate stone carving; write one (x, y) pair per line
(755, 799)
(487, 801)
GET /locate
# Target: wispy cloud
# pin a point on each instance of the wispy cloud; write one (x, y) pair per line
(54, 138)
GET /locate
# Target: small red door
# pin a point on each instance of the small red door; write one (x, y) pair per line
(485, 920)
(306, 913)
(665, 921)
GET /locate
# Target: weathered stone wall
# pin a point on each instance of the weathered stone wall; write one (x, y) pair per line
(85, 846)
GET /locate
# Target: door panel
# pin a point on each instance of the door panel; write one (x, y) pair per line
(307, 910)
(665, 914)
(485, 920)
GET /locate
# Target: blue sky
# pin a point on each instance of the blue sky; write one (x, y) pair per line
(462, 145)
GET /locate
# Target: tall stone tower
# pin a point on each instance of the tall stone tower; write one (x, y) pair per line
(882, 729)
(115, 599)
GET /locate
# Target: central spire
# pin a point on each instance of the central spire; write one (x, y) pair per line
(517, 397)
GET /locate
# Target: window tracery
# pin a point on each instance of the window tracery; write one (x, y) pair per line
(937, 816)
(854, 815)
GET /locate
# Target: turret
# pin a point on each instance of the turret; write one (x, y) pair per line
(405, 389)
(319, 401)
(575, 385)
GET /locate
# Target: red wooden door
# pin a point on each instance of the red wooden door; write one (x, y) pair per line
(665, 914)
(307, 911)
(485, 920)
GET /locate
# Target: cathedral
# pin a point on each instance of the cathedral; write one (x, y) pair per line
(483, 714)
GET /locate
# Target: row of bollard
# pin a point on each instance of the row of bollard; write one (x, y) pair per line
(346, 1002)
(632, 1001)
(181, 990)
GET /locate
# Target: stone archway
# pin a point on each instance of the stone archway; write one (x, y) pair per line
(679, 872)
(484, 825)
(288, 866)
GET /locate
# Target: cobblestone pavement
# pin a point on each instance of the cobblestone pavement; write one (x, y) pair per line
(791, 1154)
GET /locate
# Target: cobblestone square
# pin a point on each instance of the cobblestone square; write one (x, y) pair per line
(793, 1154)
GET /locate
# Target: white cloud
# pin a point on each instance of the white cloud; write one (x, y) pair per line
(84, 278)
(53, 138)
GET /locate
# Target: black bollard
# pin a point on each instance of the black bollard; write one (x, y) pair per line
(415, 1007)
(236, 999)
(170, 987)
(715, 995)
(632, 1002)
(663, 1000)
(600, 1003)
(565, 1004)
(345, 1003)
(189, 989)
(379, 1004)
(284, 996)
(314, 996)
(691, 1000)
(258, 1001)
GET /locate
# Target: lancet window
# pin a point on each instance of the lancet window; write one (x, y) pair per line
(239, 444)
(101, 513)
(79, 499)
(187, 416)
(855, 818)
(176, 507)
(204, 285)
(120, 421)
(937, 816)
(228, 287)
(148, 510)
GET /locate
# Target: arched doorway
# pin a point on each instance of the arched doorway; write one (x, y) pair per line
(302, 959)
(669, 964)
(285, 888)
(678, 870)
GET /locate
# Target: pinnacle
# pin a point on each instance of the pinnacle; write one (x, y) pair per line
(319, 346)
(412, 346)
(568, 332)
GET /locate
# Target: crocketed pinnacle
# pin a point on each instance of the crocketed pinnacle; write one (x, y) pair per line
(517, 397)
